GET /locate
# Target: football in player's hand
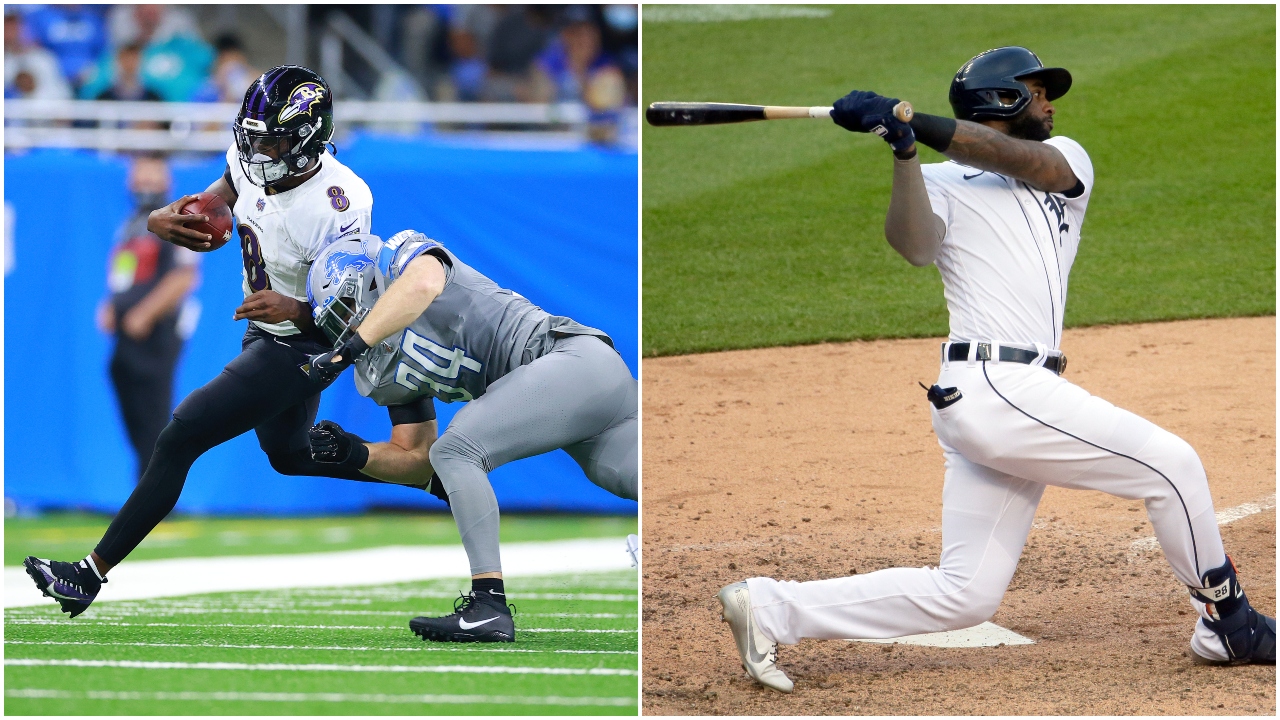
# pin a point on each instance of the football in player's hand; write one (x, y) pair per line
(215, 208)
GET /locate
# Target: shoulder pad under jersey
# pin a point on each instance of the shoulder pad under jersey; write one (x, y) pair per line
(399, 249)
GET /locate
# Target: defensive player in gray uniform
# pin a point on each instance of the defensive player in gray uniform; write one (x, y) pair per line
(1001, 220)
(418, 324)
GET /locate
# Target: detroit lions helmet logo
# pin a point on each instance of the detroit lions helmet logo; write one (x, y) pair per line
(339, 262)
(301, 100)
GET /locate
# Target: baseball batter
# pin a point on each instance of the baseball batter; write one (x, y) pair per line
(1001, 220)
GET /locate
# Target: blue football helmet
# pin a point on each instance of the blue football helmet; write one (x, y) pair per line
(343, 284)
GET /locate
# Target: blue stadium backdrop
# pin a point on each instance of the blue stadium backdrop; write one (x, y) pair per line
(560, 227)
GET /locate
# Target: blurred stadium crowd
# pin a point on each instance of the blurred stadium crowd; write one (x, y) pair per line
(195, 53)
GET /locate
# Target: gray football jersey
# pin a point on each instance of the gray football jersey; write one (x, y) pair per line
(473, 333)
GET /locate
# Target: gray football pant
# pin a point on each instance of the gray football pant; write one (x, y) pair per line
(579, 397)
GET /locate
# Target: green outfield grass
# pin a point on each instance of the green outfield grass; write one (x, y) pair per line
(70, 536)
(328, 651)
(320, 651)
(772, 233)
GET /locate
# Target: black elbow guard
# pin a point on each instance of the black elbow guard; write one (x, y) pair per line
(933, 130)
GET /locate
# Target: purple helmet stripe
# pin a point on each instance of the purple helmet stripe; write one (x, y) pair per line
(265, 91)
(259, 102)
(253, 96)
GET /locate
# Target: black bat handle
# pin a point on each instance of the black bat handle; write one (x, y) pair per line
(692, 113)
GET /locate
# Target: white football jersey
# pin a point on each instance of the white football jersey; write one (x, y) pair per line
(282, 233)
(1008, 249)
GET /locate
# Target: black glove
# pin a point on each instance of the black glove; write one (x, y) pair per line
(331, 444)
(325, 368)
(862, 111)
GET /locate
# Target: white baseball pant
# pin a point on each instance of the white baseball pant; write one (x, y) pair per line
(1016, 429)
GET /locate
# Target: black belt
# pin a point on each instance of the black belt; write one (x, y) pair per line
(1054, 363)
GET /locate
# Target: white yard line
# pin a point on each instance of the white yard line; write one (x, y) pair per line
(425, 647)
(374, 566)
(317, 667)
(382, 593)
(364, 698)
(114, 612)
(1230, 515)
(267, 626)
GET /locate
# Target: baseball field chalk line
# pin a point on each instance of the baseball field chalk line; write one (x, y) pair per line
(146, 579)
(988, 634)
(40, 693)
(318, 667)
(1230, 515)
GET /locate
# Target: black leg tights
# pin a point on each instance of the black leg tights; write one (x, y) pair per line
(261, 383)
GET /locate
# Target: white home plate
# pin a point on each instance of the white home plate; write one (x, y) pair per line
(373, 566)
(988, 634)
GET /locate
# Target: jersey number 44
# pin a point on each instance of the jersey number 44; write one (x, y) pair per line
(417, 348)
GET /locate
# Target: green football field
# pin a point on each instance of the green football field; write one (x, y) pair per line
(772, 233)
(318, 651)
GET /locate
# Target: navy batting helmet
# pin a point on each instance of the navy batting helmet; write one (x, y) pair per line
(989, 87)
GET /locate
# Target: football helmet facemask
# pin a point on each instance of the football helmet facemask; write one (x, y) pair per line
(342, 285)
(283, 124)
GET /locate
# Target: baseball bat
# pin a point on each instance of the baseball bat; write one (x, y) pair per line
(667, 114)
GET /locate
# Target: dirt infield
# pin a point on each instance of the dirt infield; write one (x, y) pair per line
(811, 462)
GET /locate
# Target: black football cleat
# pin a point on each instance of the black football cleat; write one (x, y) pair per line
(477, 617)
(73, 585)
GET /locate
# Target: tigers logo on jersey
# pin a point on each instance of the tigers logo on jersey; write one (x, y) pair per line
(301, 101)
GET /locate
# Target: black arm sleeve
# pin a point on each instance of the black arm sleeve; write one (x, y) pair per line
(226, 177)
(411, 413)
(933, 130)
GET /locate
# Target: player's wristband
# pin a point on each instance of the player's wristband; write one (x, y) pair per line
(355, 347)
(933, 130)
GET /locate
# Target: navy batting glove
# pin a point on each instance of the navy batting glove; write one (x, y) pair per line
(326, 367)
(863, 111)
(849, 111)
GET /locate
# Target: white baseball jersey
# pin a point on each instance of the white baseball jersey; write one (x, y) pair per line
(1008, 249)
(282, 233)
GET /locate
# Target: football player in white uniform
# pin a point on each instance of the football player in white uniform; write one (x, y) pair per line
(290, 198)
